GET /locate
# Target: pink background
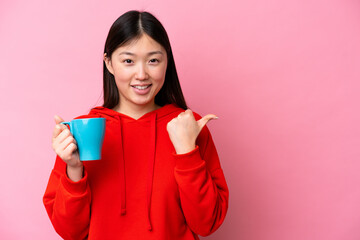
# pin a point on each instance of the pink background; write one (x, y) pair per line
(282, 75)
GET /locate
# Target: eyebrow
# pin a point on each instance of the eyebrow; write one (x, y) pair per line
(133, 54)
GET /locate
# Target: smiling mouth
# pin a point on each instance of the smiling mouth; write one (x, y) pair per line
(141, 87)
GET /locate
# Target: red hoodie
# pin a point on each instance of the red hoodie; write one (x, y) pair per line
(140, 189)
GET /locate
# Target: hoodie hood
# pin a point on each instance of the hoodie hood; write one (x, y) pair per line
(121, 119)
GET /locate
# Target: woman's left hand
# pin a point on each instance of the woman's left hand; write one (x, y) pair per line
(184, 129)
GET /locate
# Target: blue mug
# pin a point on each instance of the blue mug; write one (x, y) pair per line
(89, 134)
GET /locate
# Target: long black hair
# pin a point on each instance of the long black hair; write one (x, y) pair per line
(131, 26)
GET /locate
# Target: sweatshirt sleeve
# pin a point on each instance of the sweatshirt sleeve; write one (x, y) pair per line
(68, 203)
(203, 190)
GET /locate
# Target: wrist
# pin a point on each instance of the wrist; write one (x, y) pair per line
(184, 148)
(75, 173)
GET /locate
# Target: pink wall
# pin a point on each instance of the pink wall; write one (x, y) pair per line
(283, 76)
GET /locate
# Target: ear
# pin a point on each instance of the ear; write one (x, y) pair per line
(108, 64)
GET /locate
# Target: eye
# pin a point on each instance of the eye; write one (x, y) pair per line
(127, 61)
(154, 60)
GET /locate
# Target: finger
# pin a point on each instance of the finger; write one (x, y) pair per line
(189, 113)
(181, 114)
(68, 151)
(56, 131)
(58, 127)
(64, 144)
(58, 119)
(203, 121)
(59, 135)
(62, 136)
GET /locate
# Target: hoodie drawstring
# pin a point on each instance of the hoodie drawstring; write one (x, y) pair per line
(150, 174)
(151, 163)
(122, 172)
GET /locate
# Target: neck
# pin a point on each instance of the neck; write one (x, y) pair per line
(134, 110)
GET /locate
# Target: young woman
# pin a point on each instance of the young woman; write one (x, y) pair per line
(160, 175)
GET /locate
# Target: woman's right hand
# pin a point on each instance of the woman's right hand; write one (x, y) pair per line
(65, 147)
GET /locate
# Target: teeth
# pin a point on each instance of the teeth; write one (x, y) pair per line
(141, 87)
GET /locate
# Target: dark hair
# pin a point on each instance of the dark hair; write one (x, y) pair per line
(131, 26)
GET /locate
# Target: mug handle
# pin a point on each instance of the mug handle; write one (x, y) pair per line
(67, 123)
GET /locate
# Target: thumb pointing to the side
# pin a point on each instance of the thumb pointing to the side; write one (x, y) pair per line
(203, 121)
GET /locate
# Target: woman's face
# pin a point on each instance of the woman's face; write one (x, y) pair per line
(139, 69)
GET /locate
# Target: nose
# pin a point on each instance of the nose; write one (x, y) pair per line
(141, 73)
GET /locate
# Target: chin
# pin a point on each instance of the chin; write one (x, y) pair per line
(143, 103)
